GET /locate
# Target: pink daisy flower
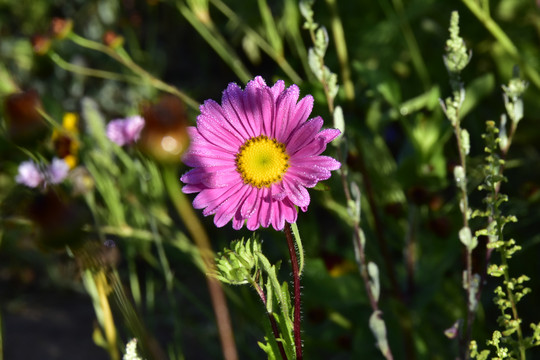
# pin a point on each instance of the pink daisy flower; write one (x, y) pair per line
(255, 154)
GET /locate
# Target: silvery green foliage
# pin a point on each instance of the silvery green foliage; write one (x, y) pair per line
(316, 54)
(377, 326)
(510, 341)
(375, 284)
(457, 57)
(131, 351)
(512, 97)
(339, 123)
(306, 9)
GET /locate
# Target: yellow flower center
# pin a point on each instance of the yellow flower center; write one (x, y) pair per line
(262, 161)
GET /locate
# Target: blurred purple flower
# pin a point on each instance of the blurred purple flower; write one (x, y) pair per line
(29, 174)
(33, 175)
(125, 131)
(57, 171)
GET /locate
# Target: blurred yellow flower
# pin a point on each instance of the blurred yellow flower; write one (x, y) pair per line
(65, 140)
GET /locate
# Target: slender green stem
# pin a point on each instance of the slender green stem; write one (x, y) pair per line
(341, 50)
(82, 70)
(196, 229)
(497, 217)
(270, 27)
(263, 44)
(484, 17)
(297, 292)
(271, 318)
(464, 207)
(299, 246)
(410, 40)
(216, 41)
(123, 58)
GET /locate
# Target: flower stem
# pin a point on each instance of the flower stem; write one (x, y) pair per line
(259, 40)
(275, 330)
(213, 37)
(484, 17)
(195, 228)
(296, 280)
(121, 56)
(341, 50)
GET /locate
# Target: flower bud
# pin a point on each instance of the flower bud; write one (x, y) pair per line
(112, 39)
(41, 44)
(24, 122)
(60, 28)
(164, 136)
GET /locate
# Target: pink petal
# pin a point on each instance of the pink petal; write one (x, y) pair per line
(277, 89)
(306, 177)
(210, 199)
(216, 134)
(226, 211)
(312, 148)
(285, 105)
(250, 204)
(196, 175)
(301, 113)
(238, 222)
(197, 157)
(252, 101)
(298, 194)
(233, 105)
(329, 134)
(266, 208)
(321, 161)
(289, 211)
(278, 218)
(232, 124)
(304, 134)
(193, 188)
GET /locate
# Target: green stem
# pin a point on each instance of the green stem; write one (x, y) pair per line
(216, 41)
(299, 247)
(271, 318)
(263, 44)
(121, 56)
(497, 217)
(82, 70)
(464, 206)
(297, 293)
(484, 17)
(341, 50)
(196, 229)
(410, 40)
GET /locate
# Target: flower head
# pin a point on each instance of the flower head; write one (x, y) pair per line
(255, 154)
(29, 174)
(125, 131)
(33, 175)
(57, 171)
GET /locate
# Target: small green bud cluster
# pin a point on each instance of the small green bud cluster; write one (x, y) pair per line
(316, 53)
(456, 59)
(131, 351)
(239, 264)
(457, 56)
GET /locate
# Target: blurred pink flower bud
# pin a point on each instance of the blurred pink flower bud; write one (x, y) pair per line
(125, 131)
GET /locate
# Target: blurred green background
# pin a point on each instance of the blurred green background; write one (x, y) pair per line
(400, 149)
